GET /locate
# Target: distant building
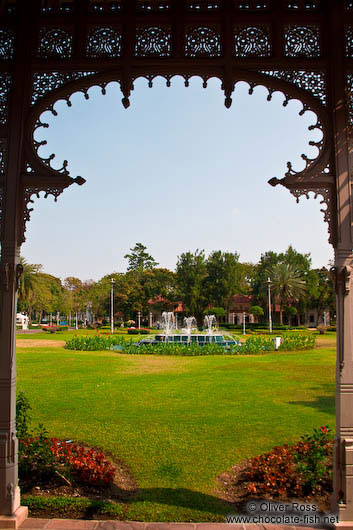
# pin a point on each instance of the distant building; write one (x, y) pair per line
(239, 305)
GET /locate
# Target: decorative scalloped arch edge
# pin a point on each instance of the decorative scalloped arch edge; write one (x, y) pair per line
(83, 81)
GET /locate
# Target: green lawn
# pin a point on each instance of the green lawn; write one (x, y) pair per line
(178, 422)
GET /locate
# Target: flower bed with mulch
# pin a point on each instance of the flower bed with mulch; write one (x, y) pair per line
(300, 472)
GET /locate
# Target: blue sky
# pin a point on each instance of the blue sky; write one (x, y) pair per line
(176, 171)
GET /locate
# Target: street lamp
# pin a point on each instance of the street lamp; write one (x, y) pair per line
(112, 305)
(139, 319)
(244, 331)
(269, 304)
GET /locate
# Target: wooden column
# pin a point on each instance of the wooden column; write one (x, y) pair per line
(343, 463)
(11, 513)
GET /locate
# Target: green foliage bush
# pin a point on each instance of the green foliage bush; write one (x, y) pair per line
(296, 471)
(253, 345)
(98, 342)
(22, 415)
(70, 506)
(136, 331)
(35, 456)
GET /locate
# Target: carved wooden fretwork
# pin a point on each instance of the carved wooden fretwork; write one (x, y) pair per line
(122, 41)
(103, 42)
(349, 79)
(1, 208)
(104, 6)
(153, 41)
(313, 82)
(252, 41)
(252, 5)
(5, 83)
(55, 42)
(153, 6)
(201, 41)
(302, 41)
(7, 39)
(47, 82)
(2, 156)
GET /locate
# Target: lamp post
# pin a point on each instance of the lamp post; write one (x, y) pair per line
(269, 304)
(112, 306)
(244, 330)
(150, 322)
(139, 319)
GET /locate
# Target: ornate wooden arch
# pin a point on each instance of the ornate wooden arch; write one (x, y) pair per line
(50, 49)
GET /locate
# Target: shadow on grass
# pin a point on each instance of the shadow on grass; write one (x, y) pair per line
(324, 404)
(182, 498)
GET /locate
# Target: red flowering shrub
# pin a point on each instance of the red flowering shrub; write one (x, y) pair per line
(88, 465)
(298, 470)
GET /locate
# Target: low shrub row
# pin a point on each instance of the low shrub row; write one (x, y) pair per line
(97, 342)
(137, 331)
(253, 345)
(54, 329)
(71, 507)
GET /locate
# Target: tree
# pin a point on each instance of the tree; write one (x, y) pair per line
(287, 284)
(139, 259)
(27, 284)
(257, 311)
(191, 272)
(218, 312)
(321, 295)
(224, 277)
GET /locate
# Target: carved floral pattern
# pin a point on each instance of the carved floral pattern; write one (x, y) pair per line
(202, 41)
(47, 82)
(349, 42)
(313, 82)
(350, 97)
(55, 42)
(5, 84)
(53, 7)
(154, 40)
(253, 5)
(103, 42)
(203, 5)
(302, 5)
(153, 6)
(7, 40)
(103, 6)
(252, 41)
(2, 156)
(302, 41)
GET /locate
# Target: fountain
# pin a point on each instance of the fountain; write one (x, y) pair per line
(167, 322)
(190, 324)
(209, 321)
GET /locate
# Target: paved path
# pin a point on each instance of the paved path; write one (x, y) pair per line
(79, 524)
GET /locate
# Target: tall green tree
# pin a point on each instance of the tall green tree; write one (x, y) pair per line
(288, 285)
(191, 272)
(27, 284)
(139, 259)
(224, 277)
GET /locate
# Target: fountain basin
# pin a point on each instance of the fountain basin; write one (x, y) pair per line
(185, 340)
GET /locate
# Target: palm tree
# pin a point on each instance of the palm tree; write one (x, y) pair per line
(287, 284)
(27, 281)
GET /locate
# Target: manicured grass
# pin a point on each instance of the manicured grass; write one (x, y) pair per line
(69, 334)
(178, 422)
